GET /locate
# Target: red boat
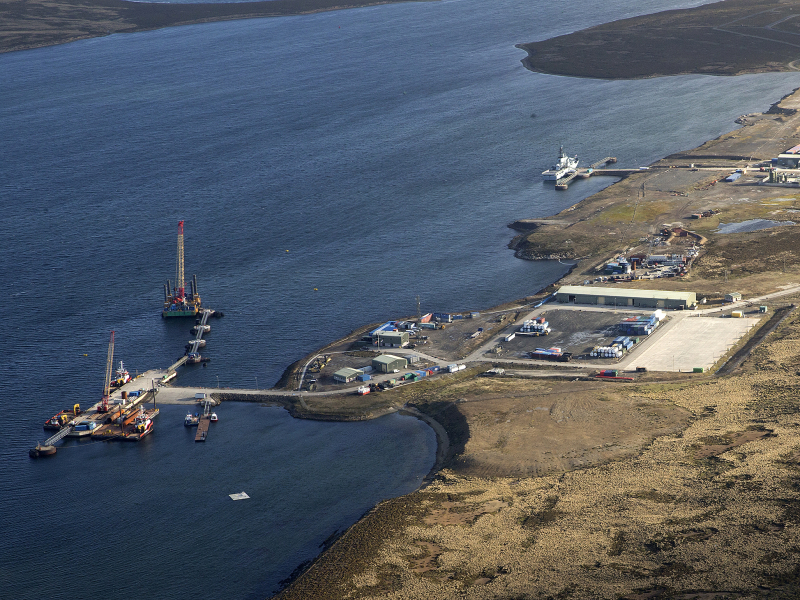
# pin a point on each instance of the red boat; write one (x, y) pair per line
(58, 420)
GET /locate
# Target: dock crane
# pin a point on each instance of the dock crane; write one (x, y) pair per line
(103, 408)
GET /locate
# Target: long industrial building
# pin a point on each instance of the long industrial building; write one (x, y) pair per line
(622, 297)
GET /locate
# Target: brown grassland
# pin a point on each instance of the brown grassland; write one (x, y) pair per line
(667, 487)
(723, 38)
(684, 489)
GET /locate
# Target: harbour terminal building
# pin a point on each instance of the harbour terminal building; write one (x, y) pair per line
(621, 297)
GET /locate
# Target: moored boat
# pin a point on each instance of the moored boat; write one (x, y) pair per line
(40, 450)
(191, 420)
(60, 419)
(562, 168)
(214, 417)
(143, 424)
(123, 376)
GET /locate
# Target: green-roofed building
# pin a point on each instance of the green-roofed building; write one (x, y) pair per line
(347, 375)
(388, 363)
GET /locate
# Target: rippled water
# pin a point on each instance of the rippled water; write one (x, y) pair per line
(385, 148)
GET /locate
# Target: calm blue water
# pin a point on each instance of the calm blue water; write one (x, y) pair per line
(385, 148)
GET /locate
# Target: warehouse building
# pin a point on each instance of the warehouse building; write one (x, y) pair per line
(387, 363)
(347, 375)
(621, 297)
(396, 339)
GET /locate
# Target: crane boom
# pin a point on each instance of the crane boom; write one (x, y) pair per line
(179, 280)
(182, 300)
(107, 386)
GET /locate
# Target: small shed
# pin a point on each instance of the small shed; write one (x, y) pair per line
(733, 297)
(346, 375)
(388, 363)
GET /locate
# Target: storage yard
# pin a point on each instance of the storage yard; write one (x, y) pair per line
(694, 343)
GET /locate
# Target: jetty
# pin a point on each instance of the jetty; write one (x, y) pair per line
(204, 422)
(593, 169)
(202, 429)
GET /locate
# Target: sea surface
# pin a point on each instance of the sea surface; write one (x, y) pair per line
(330, 168)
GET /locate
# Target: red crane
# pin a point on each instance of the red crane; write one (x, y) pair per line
(180, 285)
(107, 387)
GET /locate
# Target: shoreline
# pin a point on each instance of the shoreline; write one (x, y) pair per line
(39, 24)
(581, 264)
(727, 37)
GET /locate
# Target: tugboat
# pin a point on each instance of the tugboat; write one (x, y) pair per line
(61, 418)
(143, 424)
(123, 376)
(563, 167)
(191, 420)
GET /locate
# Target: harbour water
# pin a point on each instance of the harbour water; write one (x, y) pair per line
(329, 168)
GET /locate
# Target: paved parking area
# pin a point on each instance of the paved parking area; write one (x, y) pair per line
(693, 342)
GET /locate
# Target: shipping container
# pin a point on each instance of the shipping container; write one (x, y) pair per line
(737, 314)
(364, 377)
(510, 337)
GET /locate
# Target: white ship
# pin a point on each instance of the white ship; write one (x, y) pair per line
(562, 168)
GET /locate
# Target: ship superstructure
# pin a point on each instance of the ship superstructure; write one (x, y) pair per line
(562, 168)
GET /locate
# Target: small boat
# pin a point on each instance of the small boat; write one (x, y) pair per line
(191, 420)
(41, 451)
(143, 424)
(123, 376)
(214, 418)
(57, 421)
(60, 419)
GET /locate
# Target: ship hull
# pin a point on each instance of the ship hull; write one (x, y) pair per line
(179, 313)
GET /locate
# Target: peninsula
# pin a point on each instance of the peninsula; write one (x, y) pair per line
(731, 37)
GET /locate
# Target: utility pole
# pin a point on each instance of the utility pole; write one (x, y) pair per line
(419, 312)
